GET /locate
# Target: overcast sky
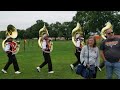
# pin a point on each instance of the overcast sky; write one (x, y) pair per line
(24, 19)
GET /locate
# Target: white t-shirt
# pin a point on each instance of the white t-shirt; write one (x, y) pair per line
(44, 47)
(78, 43)
(44, 44)
(7, 47)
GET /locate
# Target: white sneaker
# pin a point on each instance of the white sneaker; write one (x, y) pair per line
(4, 71)
(38, 69)
(71, 66)
(17, 72)
(51, 72)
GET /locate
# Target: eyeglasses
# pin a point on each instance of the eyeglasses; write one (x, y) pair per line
(110, 33)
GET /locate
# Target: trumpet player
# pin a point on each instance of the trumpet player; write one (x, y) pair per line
(46, 53)
(9, 49)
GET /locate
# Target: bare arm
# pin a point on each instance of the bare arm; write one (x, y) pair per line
(102, 55)
(98, 60)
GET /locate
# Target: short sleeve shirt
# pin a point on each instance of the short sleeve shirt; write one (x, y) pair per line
(111, 49)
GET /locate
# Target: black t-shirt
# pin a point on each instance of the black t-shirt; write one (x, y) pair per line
(111, 49)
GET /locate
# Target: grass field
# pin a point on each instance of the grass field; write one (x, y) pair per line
(62, 56)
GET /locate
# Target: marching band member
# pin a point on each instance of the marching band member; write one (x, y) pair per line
(78, 50)
(9, 49)
(46, 54)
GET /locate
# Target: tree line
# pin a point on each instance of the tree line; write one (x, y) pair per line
(91, 22)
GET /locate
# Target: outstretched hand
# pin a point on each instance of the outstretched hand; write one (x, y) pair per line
(99, 68)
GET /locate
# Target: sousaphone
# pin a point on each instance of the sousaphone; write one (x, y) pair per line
(77, 31)
(42, 32)
(108, 25)
(12, 32)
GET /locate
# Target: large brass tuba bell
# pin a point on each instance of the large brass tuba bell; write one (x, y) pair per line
(77, 30)
(12, 32)
(108, 25)
(42, 32)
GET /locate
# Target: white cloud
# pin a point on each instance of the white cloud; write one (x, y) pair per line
(24, 19)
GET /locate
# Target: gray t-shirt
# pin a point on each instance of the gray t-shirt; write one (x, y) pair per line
(111, 49)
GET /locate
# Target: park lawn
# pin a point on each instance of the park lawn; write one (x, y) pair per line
(62, 56)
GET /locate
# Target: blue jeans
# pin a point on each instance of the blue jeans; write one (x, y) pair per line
(112, 68)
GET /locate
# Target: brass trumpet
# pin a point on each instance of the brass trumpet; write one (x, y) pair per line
(12, 32)
(42, 32)
(108, 25)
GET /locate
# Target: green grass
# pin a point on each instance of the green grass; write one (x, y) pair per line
(62, 56)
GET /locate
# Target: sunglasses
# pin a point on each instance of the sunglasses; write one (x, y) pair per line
(110, 33)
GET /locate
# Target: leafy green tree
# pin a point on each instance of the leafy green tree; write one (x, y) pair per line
(2, 34)
(94, 21)
(20, 33)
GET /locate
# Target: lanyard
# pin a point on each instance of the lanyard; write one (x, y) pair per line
(88, 54)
